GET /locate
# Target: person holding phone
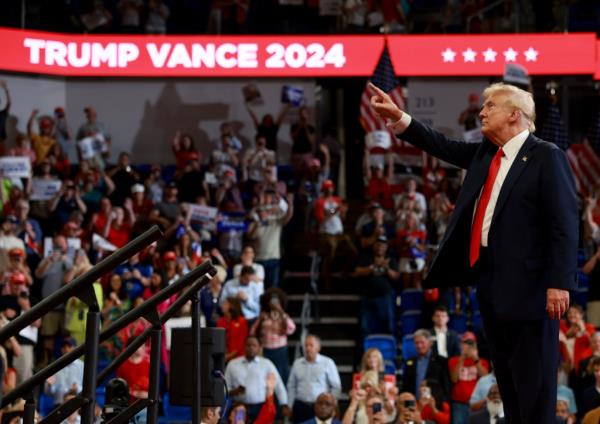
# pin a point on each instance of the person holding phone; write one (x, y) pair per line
(432, 403)
(408, 413)
(273, 327)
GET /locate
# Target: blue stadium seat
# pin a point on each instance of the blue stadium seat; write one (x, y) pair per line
(410, 321)
(46, 404)
(458, 323)
(390, 367)
(411, 299)
(408, 347)
(176, 413)
(100, 396)
(384, 342)
(477, 322)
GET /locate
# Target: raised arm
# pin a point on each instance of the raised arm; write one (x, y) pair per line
(420, 135)
(6, 93)
(34, 113)
(252, 115)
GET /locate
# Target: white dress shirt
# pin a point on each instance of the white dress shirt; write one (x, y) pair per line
(253, 376)
(441, 340)
(511, 149)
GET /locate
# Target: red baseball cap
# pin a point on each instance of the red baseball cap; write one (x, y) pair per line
(468, 336)
(170, 256)
(327, 184)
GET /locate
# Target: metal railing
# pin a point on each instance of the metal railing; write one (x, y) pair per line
(82, 288)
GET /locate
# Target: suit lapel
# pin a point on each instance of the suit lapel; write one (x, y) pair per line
(519, 164)
(473, 182)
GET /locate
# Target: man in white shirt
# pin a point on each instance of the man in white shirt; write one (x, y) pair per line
(310, 376)
(247, 290)
(246, 379)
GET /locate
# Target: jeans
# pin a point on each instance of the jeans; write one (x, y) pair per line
(377, 315)
(271, 267)
(280, 359)
(460, 413)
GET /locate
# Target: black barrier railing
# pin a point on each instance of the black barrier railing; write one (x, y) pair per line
(142, 310)
(81, 287)
(76, 286)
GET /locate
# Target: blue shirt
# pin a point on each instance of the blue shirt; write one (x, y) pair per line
(250, 306)
(65, 378)
(482, 388)
(565, 392)
(253, 376)
(210, 306)
(309, 379)
(422, 365)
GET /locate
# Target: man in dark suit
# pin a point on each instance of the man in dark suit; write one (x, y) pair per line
(427, 365)
(447, 343)
(494, 409)
(513, 234)
(325, 410)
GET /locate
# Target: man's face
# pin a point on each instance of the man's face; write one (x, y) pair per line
(440, 318)
(60, 243)
(494, 115)
(562, 409)
(597, 373)
(375, 418)
(324, 406)
(494, 394)
(311, 348)
(422, 345)
(406, 403)
(411, 186)
(245, 279)
(596, 343)
(380, 248)
(261, 142)
(252, 348)
(124, 160)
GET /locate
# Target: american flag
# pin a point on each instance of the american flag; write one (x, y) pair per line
(385, 79)
(586, 167)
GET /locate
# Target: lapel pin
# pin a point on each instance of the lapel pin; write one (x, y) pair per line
(524, 158)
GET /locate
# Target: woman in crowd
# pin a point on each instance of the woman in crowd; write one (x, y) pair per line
(432, 402)
(574, 337)
(247, 259)
(236, 327)
(411, 238)
(184, 150)
(273, 327)
(370, 385)
(210, 295)
(75, 309)
(372, 360)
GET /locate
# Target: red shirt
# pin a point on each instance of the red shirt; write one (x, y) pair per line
(380, 191)
(119, 236)
(136, 375)
(467, 378)
(442, 417)
(236, 332)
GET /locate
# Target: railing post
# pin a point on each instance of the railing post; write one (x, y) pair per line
(153, 390)
(196, 367)
(29, 410)
(90, 369)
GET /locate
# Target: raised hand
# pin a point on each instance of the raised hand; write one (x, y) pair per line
(384, 105)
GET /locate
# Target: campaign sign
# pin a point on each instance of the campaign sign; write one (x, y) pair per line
(15, 166)
(44, 189)
(292, 95)
(200, 213)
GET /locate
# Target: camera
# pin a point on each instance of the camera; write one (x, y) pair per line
(378, 270)
(376, 407)
(117, 398)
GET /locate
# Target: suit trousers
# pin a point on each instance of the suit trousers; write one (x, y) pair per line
(524, 356)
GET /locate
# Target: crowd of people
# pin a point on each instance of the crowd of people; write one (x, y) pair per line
(304, 16)
(230, 206)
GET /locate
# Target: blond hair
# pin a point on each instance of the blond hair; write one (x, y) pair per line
(516, 99)
(365, 358)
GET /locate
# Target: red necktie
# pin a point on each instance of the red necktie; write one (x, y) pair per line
(484, 199)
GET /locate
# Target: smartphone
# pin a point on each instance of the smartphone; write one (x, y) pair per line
(425, 392)
(409, 403)
(376, 407)
(240, 415)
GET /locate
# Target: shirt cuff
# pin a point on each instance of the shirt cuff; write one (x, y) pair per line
(402, 124)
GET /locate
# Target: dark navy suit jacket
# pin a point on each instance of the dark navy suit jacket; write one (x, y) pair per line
(534, 231)
(314, 421)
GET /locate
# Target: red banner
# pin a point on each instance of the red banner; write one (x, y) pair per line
(597, 73)
(189, 56)
(470, 55)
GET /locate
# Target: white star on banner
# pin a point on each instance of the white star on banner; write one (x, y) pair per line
(448, 55)
(489, 55)
(531, 54)
(510, 55)
(469, 55)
